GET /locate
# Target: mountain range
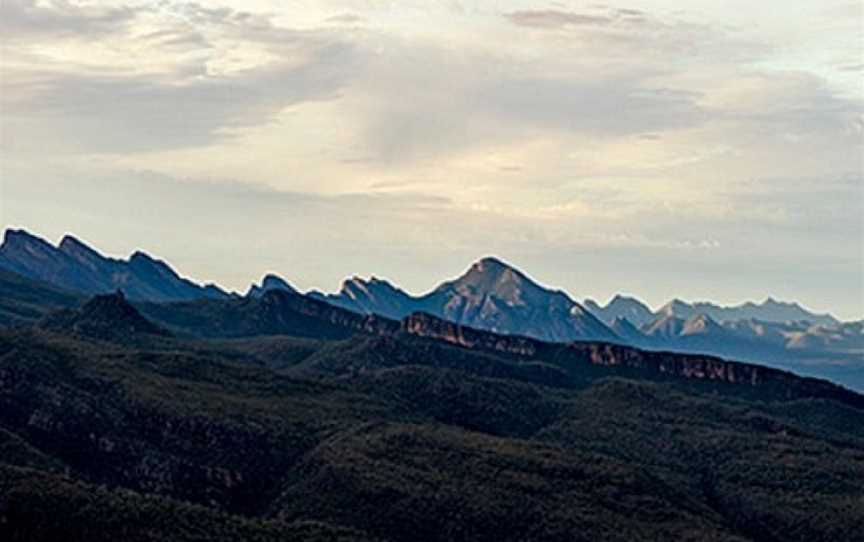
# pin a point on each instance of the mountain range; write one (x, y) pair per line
(769, 310)
(493, 296)
(282, 416)
(75, 266)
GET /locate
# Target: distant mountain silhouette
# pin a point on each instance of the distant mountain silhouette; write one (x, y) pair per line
(770, 310)
(636, 312)
(374, 296)
(276, 312)
(75, 266)
(491, 295)
(269, 282)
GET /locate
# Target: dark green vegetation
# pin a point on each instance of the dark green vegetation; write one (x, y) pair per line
(282, 418)
(24, 300)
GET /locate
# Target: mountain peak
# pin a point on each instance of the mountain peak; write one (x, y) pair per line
(21, 237)
(106, 317)
(81, 252)
(70, 241)
(492, 277)
(491, 263)
(497, 269)
(627, 301)
(12, 234)
(271, 281)
(636, 312)
(141, 256)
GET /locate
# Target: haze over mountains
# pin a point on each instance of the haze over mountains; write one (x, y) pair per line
(493, 296)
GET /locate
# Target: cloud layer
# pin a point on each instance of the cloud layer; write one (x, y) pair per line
(698, 140)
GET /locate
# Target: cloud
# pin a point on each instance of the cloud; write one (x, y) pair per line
(852, 68)
(417, 102)
(553, 19)
(601, 17)
(346, 18)
(27, 19)
(105, 112)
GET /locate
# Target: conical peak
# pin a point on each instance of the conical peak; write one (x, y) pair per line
(492, 277)
(491, 262)
(110, 307)
(491, 269)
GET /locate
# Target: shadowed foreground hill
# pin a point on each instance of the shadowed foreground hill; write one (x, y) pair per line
(362, 428)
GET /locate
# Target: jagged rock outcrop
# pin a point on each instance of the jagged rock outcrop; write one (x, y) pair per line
(652, 364)
(425, 325)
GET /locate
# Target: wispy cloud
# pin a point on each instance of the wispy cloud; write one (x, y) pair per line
(550, 18)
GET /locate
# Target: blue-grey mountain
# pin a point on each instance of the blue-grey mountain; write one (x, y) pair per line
(76, 267)
(492, 296)
(269, 282)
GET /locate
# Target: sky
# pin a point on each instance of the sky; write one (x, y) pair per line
(699, 150)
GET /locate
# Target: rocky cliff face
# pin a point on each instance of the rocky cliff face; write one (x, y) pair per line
(276, 303)
(425, 325)
(615, 356)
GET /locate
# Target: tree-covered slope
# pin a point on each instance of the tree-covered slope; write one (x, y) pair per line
(404, 438)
